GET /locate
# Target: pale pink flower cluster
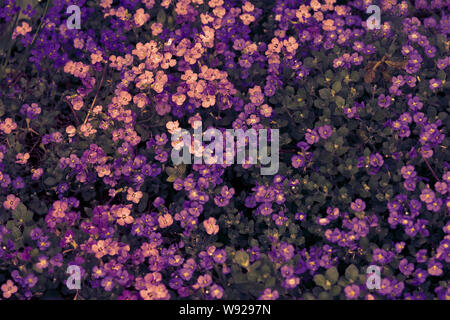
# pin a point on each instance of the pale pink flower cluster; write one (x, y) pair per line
(140, 17)
(8, 125)
(22, 30)
(22, 158)
(11, 202)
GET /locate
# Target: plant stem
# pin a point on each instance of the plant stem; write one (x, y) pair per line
(431, 169)
(6, 61)
(38, 30)
(96, 95)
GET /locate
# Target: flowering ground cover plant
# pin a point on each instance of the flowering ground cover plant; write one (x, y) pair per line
(88, 184)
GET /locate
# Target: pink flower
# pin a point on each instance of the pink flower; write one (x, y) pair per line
(216, 291)
(36, 173)
(268, 294)
(140, 17)
(123, 216)
(21, 30)
(8, 289)
(134, 196)
(172, 126)
(22, 158)
(165, 220)
(11, 202)
(211, 226)
(8, 126)
(203, 281)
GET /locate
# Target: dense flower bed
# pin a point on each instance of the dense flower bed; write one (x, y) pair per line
(86, 117)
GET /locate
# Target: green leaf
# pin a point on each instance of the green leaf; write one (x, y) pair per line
(285, 139)
(171, 178)
(335, 290)
(309, 62)
(270, 282)
(352, 272)
(161, 17)
(354, 76)
(21, 214)
(337, 86)
(143, 203)
(309, 296)
(50, 181)
(332, 275)
(88, 194)
(289, 91)
(325, 93)
(441, 75)
(252, 276)
(342, 131)
(171, 171)
(144, 133)
(301, 93)
(11, 224)
(340, 102)
(329, 146)
(324, 296)
(2, 108)
(176, 172)
(15, 232)
(255, 265)
(28, 216)
(242, 258)
(320, 280)
(20, 211)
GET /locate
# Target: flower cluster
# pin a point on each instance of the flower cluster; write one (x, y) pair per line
(87, 179)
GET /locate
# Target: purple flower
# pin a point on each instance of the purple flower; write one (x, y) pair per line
(265, 209)
(286, 251)
(108, 283)
(350, 112)
(311, 136)
(408, 172)
(216, 291)
(36, 233)
(358, 205)
(298, 161)
(30, 280)
(381, 256)
(352, 291)
(441, 187)
(434, 268)
(384, 101)
(325, 132)
(203, 281)
(410, 184)
(405, 267)
(376, 160)
(301, 216)
(291, 282)
(414, 103)
(442, 63)
(435, 84)
(268, 294)
(419, 277)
